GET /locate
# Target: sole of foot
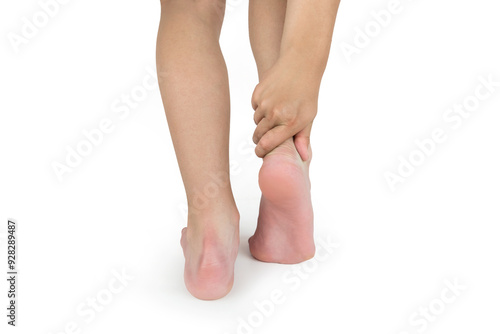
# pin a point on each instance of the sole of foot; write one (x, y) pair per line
(285, 225)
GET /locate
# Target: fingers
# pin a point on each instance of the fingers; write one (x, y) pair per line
(264, 125)
(302, 142)
(259, 115)
(272, 139)
(257, 106)
(255, 97)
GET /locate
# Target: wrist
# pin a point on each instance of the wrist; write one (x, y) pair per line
(309, 64)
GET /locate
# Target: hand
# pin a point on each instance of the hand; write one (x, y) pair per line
(285, 104)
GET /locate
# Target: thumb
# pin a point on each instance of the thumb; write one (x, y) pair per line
(302, 142)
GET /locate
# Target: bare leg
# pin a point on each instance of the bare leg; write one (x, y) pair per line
(266, 22)
(285, 226)
(195, 92)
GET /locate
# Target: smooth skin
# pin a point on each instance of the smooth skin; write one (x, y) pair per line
(290, 41)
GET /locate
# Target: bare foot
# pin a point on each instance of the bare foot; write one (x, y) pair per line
(285, 226)
(210, 244)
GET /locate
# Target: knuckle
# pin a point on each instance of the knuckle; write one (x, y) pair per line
(275, 113)
(292, 121)
(257, 87)
(263, 104)
(256, 94)
(253, 99)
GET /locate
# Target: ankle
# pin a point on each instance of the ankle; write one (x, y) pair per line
(213, 230)
(213, 215)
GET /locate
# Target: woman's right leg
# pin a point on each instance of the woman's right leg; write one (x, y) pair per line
(195, 91)
(285, 227)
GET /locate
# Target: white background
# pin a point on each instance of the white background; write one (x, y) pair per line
(123, 207)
